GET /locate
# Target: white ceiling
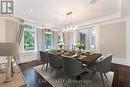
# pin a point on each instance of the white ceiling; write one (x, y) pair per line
(52, 12)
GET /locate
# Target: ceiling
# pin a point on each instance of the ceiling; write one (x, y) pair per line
(52, 12)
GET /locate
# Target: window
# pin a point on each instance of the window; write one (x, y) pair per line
(60, 37)
(93, 39)
(48, 39)
(88, 37)
(29, 37)
(82, 37)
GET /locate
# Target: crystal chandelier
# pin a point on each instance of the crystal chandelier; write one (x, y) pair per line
(69, 25)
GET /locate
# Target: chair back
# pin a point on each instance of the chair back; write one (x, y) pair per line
(104, 65)
(55, 61)
(71, 66)
(44, 57)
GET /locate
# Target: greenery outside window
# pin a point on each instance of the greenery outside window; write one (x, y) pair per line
(48, 39)
(29, 37)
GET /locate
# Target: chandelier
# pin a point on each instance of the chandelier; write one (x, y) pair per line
(69, 25)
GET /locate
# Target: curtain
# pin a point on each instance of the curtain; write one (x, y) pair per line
(55, 40)
(19, 34)
(40, 41)
(18, 41)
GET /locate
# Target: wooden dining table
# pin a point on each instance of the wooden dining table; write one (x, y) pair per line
(84, 57)
(90, 58)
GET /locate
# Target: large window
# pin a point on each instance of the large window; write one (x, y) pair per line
(48, 39)
(29, 37)
(93, 39)
(88, 37)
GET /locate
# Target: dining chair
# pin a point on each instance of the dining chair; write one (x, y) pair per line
(44, 58)
(72, 68)
(55, 62)
(103, 66)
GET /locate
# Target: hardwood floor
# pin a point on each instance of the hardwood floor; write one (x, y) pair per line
(34, 79)
(121, 75)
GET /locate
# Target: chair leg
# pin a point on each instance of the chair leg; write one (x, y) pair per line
(51, 70)
(46, 66)
(105, 76)
(64, 82)
(57, 73)
(80, 77)
(93, 73)
(102, 79)
(43, 65)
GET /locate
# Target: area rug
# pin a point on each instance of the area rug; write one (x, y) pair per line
(18, 79)
(84, 82)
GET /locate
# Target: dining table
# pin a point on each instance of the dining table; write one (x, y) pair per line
(84, 57)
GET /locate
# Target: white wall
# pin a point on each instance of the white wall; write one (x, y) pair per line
(11, 30)
(128, 38)
(113, 39)
(2, 30)
(124, 60)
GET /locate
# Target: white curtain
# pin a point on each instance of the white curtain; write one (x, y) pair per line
(18, 41)
(40, 41)
(55, 39)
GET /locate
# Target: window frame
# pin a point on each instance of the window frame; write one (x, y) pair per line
(35, 38)
(51, 33)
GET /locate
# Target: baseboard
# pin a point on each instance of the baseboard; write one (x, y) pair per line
(122, 61)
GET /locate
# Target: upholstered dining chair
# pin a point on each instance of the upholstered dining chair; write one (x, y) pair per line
(102, 65)
(55, 62)
(72, 68)
(44, 58)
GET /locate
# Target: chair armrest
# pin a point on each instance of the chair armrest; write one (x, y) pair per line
(100, 59)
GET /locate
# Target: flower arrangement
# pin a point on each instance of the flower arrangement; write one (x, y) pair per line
(79, 45)
(60, 44)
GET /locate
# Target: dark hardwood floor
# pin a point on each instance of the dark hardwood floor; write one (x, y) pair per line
(34, 79)
(121, 75)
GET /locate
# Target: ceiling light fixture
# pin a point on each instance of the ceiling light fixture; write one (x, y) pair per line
(69, 25)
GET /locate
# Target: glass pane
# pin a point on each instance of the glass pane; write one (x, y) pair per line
(29, 40)
(48, 30)
(28, 27)
(93, 39)
(88, 37)
(48, 40)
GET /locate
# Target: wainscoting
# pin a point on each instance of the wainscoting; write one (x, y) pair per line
(28, 56)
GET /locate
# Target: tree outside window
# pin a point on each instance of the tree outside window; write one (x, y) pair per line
(29, 37)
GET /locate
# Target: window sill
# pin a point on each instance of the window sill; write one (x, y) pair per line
(47, 49)
(30, 51)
